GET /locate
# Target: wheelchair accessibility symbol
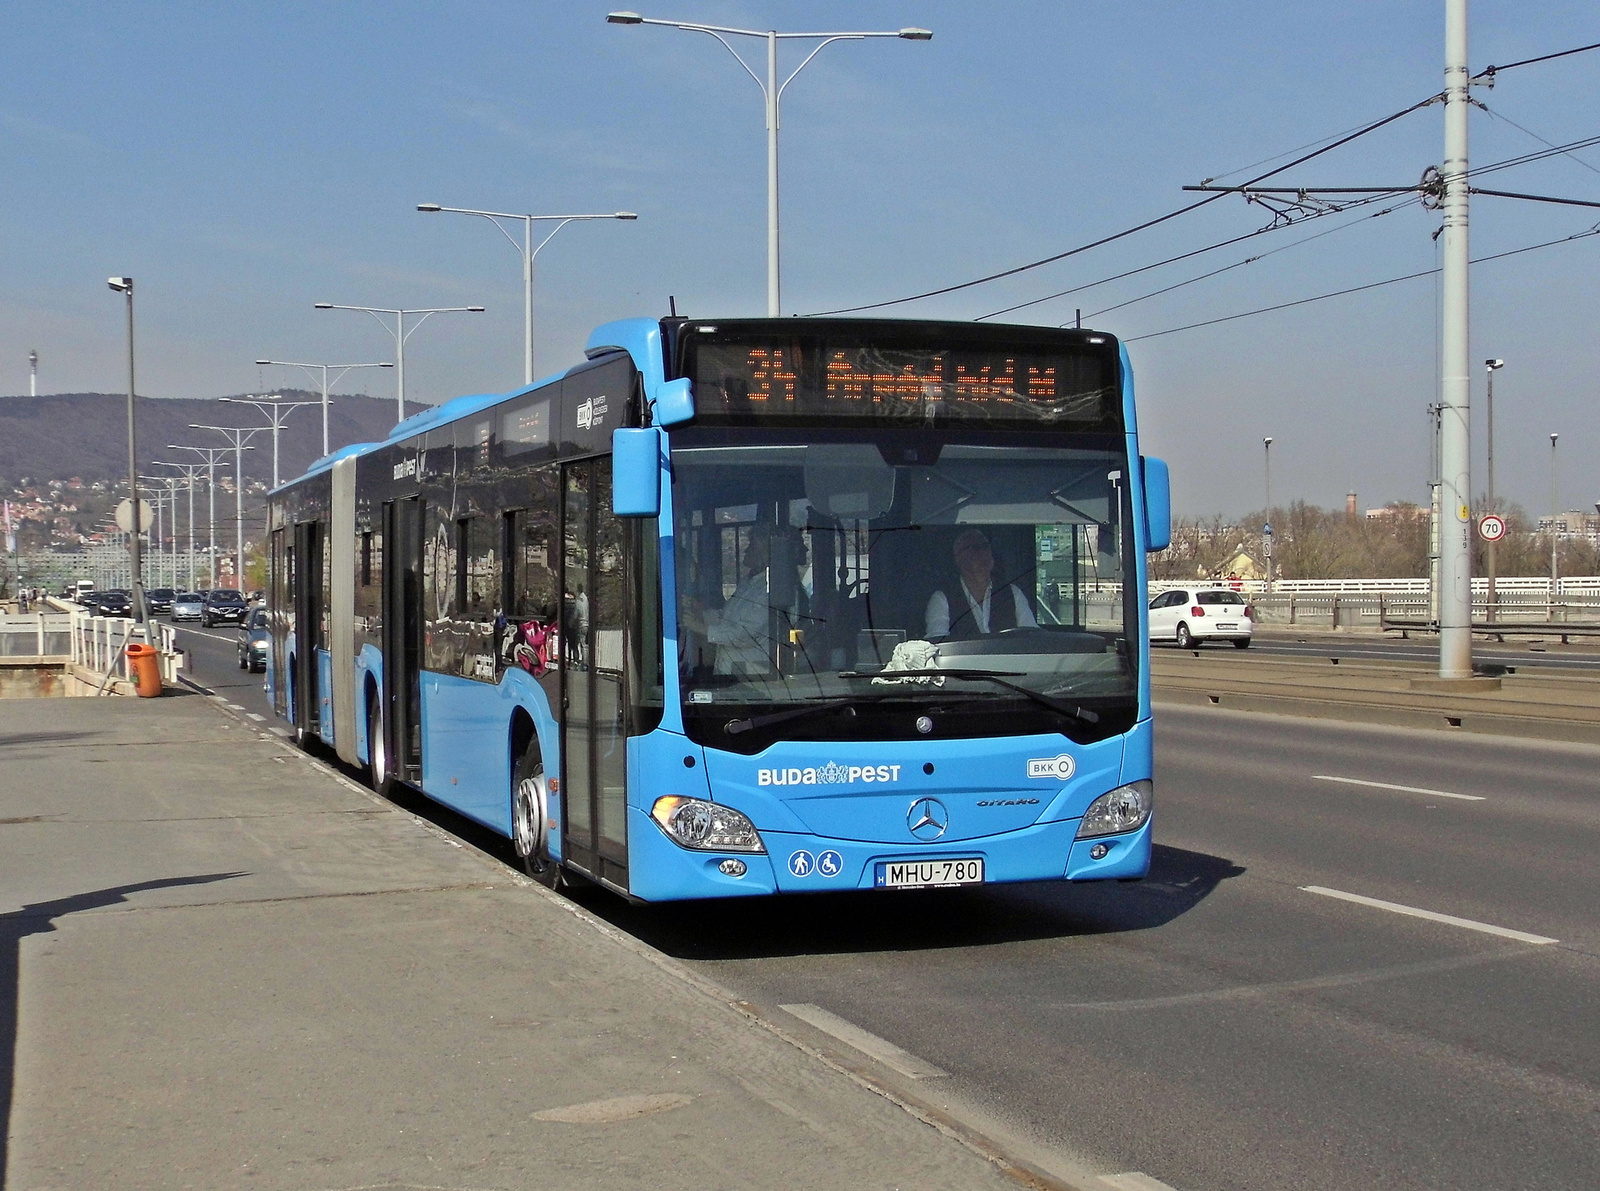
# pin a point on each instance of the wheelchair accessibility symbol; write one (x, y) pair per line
(830, 864)
(801, 864)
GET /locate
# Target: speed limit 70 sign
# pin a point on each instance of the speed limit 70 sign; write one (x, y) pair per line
(1491, 528)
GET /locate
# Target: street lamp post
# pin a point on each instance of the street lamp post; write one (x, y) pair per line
(1266, 528)
(141, 611)
(401, 335)
(237, 436)
(527, 251)
(324, 367)
(1555, 511)
(210, 455)
(1491, 367)
(277, 413)
(772, 92)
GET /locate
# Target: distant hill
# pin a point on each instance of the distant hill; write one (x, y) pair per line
(86, 434)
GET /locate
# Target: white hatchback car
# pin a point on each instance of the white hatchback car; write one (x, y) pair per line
(1195, 615)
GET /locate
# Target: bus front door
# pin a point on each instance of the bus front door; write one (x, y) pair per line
(308, 627)
(593, 723)
(402, 635)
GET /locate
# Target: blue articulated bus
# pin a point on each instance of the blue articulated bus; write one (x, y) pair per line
(750, 606)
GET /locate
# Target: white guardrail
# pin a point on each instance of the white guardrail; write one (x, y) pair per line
(40, 638)
(99, 645)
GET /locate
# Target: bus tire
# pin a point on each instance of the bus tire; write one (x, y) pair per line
(530, 817)
(378, 775)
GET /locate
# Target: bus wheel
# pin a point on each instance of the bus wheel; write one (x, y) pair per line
(530, 816)
(377, 751)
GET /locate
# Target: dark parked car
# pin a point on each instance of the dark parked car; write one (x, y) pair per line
(223, 605)
(187, 605)
(159, 599)
(254, 640)
(111, 603)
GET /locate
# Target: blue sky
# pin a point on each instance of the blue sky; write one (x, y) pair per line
(244, 161)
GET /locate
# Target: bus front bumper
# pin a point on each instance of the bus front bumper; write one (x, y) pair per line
(660, 870)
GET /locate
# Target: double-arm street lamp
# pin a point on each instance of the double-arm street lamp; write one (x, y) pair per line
(211, 455)
(343, 368)
(237, 436)
(191, 474)
(772, 91)
(527, 251)
(401, 335)
(277, 412)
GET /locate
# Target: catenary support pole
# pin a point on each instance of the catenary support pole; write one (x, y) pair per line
(1455, 498)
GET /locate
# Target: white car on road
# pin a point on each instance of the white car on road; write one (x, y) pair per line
(1193, 615)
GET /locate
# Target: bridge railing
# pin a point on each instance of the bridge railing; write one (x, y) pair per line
(38, 638)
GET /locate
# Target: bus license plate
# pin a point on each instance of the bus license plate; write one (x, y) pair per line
(923, 874)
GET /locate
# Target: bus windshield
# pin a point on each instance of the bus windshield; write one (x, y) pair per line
(857, 582)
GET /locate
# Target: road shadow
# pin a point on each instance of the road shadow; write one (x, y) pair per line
(877, 921)
(871, 920)
(39, 919)
(16, 739)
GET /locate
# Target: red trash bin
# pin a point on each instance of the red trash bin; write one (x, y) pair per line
(144, 666)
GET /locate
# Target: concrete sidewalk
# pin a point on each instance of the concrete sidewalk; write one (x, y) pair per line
(225, 966)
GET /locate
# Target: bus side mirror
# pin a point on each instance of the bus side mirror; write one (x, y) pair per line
(1157, 504)
(674, 402)
(636, 472)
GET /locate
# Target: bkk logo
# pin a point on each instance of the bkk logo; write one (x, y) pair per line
(831, 774)
(592, 413)
(1061, 767)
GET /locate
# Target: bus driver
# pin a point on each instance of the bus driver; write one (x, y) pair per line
(967, 608)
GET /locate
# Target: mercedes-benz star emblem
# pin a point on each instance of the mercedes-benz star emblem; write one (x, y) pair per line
(924, 724)
(927, 818)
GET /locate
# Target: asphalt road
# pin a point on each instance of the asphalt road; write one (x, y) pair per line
(214, 664)
(1221, 1025)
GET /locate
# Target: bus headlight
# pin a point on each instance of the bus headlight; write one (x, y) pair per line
(706, 826)
(1124, 809)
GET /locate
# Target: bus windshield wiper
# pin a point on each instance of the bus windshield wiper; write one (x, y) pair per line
(749, 724)
(999, 678)
(736, 727)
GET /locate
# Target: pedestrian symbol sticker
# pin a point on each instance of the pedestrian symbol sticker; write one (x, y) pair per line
(830, 864)
(801, 864)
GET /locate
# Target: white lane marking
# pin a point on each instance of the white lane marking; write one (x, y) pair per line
(203, 633)
(231, 706)
(885, 1052)
(260, 719)
(1134, 1180)
(1356, 781)
(1412, 911)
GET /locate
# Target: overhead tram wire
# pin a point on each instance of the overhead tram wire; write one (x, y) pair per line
(1489, 72)
(1228, 318)
(1501, 116)
(1126, 232)
(1250, 260)
(1276, 225)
